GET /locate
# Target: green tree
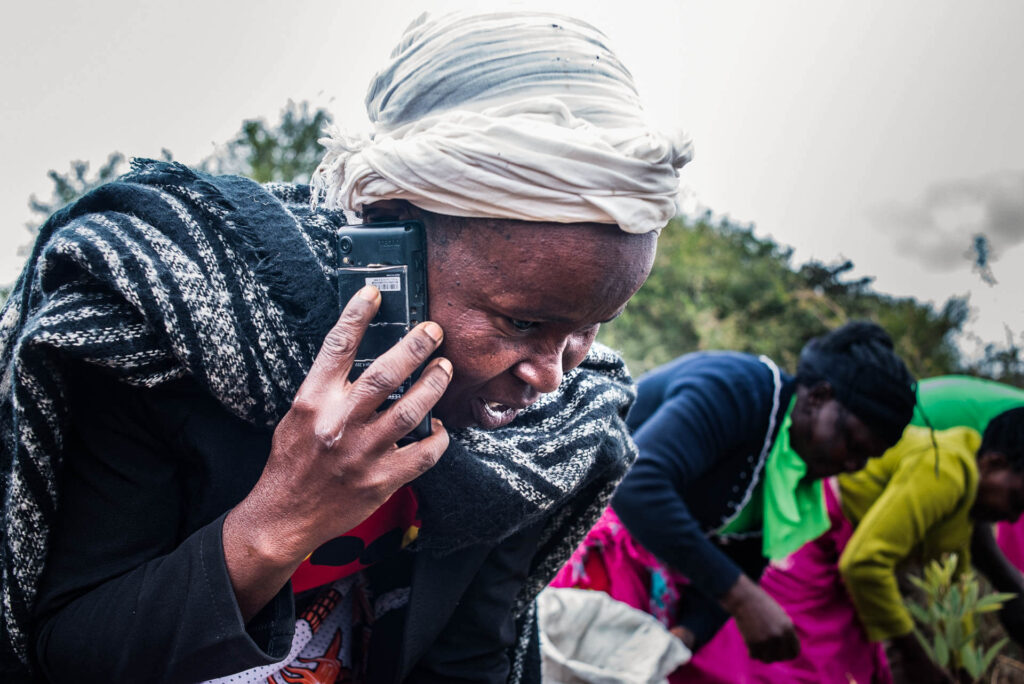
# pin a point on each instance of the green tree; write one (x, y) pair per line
(716, 285)
(1003, 361)
(67, 187)
(286, 151)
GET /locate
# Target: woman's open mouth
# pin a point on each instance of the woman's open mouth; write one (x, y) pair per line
(491, 415)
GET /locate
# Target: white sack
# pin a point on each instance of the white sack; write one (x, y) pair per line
(587, 637)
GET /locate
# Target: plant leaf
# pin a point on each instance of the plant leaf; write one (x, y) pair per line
(924, 644)
(919, 613)
(955, 635)
(970, 661)
(941, 650)
(971, 599)
(995, 598)
(991, 653)
(955, 604)
(920, 583)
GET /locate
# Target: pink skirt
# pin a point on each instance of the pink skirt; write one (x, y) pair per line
(834, 648)
(1010, 537)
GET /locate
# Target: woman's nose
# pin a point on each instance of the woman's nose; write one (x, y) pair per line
(542, 372)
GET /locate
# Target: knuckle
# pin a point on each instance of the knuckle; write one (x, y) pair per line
(419, 459)
(431, 451)
(339, 342)
(303, 406)
(407, 415)
(327, 436)
(427, 460)
(436, 382)
(420, 344)
(380, 378)
(380, 487)
(325, 440)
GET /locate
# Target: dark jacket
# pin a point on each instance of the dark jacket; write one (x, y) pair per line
(703, 424)
(168, 274)
(136, 589)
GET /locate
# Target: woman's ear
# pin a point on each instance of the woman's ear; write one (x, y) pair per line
(382, 211)
(810, 399)
(820, 394)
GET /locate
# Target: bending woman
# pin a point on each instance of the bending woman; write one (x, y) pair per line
(732, 451)
(965, 401)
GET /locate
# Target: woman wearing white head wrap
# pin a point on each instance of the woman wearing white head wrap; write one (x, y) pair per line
(200, 520)
(509, 115)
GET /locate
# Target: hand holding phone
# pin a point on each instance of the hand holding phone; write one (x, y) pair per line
(334, 457)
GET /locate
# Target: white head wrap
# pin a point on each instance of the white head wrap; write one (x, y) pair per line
(507, 115)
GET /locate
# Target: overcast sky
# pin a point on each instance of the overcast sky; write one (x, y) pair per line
(885, 132)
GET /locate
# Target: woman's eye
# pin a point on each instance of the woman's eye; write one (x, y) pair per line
(521, 325)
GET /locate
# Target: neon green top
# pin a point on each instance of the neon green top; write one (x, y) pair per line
(907, 504)
(789, 509)
(954, 400)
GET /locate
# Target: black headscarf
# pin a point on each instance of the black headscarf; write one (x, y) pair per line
(866, 375)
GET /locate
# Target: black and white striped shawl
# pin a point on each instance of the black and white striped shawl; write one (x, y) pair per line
(168, 272)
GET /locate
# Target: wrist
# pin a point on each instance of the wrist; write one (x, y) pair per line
(258, 564)
(738, 594)
(254, 533)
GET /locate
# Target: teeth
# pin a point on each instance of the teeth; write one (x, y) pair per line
(495, 406)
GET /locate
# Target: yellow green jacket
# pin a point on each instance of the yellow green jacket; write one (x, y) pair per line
(909, 504)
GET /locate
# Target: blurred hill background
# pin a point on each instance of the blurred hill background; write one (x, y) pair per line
(715, 284)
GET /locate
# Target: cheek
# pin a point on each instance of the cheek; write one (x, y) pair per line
(1012, 492)
(576, 348)
(476, 352)
(821, 436)
(473, 359)
(830, 433)
(999, 496)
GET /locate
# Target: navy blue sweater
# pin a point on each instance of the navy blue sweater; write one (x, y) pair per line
(701, 423)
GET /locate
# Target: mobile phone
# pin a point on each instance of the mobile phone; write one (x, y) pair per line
(392, 257)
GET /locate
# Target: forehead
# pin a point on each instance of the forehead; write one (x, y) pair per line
(498, 242)
(547, 264)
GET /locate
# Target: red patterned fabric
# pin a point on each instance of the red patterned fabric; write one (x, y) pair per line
(610, 560)
(391, 527)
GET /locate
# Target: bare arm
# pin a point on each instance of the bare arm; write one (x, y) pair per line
(988, 558)
(1004, 576)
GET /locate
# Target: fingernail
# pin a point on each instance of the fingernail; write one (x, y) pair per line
(445, 365)
(434, 330)
(369, 293)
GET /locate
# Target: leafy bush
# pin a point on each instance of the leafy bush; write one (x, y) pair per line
(947, 617)
(717, 285)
